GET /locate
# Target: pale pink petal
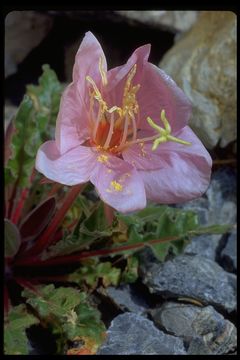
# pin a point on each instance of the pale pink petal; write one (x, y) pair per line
(87, 60)
(119, 185)
(157, 92)
(72, 121)
(118, 75)
(144, 158)
(187, 174)
(72, 168)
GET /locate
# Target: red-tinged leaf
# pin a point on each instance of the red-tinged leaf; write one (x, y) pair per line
(12, 239)
(35, 222)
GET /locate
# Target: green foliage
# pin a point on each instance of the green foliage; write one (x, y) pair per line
(12, 239)
(130, 273)
(34, 123)
(90, 273)
(92, 226)
(149, 226)
(68, 312)
(15, 339)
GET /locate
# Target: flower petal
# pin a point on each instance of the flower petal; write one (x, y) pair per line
(87, 60)
(157, 92)
(71, 168)
(142, 157)
(119, 184)
(72, 121)
(186, 175)
(118, 75)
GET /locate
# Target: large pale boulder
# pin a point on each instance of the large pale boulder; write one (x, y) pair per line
(203, 63)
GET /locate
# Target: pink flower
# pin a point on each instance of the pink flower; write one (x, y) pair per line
(126, 131)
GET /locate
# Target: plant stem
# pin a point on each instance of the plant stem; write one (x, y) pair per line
(47, 237)
(89, 254)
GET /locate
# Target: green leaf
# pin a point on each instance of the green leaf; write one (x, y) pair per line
(12, 239)
(34, 123)
(68, 312)
(92, 272)
(130, 274)
(51, 301)
(212, 229)
(91, 227)
(156, 223)
(15, 339)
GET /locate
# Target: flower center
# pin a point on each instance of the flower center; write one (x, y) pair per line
(115, 128)
(112, 128)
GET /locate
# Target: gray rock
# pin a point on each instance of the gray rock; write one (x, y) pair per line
(202, 328)
(125, 298)
(229, 253)
(171, 20)
(24, 30)
(217, 206)
(204, 245)
(203, 64)
(132, 334)
(190, 276)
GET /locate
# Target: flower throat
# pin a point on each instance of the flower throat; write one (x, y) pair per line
(115, 128)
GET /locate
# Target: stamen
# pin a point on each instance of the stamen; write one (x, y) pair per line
(110, 132)
(134, 127)
(125, 130)
(102, 71)
(129, 79)
(98, 95)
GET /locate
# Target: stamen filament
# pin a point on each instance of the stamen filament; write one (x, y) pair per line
(137, 141)
(102, 71)
(125, 131)
(97, 122)
(134, 128)
(110, 132)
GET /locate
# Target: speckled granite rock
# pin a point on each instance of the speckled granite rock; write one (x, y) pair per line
(203, 63)
(171, 20)
(192, 276)
(203, 329)
(24, 30)
(132, 334)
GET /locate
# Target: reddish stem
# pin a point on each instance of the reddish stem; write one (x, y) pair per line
(47, 236)
(27, 284)
(88, 254)
(54, 189)
(16, 215)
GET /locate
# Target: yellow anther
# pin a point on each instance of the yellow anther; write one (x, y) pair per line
(165, 134)
(102, 158)
(102, 71)
(116, 185)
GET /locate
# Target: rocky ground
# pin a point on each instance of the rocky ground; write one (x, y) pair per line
(186, 305)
